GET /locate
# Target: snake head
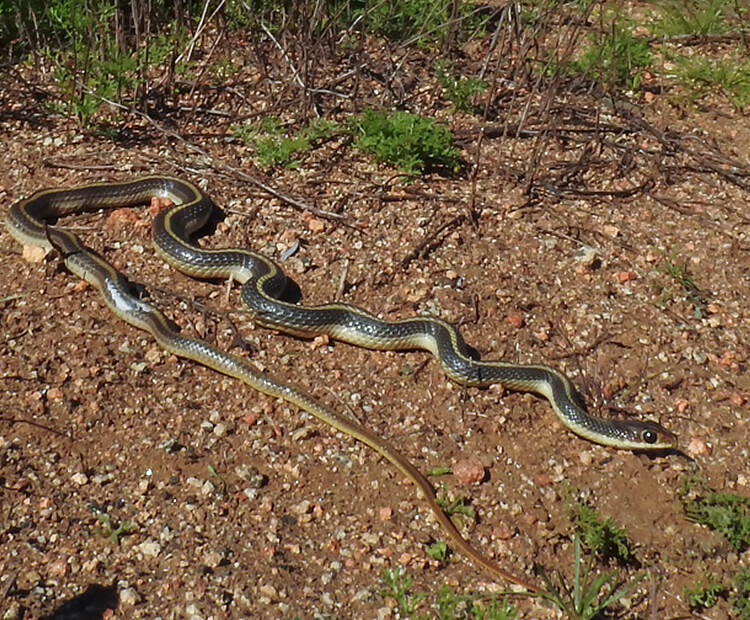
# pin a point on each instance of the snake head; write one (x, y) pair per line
(650, 436)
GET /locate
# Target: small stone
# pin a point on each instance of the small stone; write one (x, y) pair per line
(542, 480)
(212, 559)
(586, 256)
(13, 612)
(91, 565)
(304, 507)
(153, 356)
(193, 612)
(30, 578)
(55, 393)
(220, 429)
(129, 597)
(269, 591)
(303, 432)
(625, 276)
(251, 418)
(59, 568)
(251, 475)
(469, 471)
(316, 225)
(33, 253)
(502, 532)
(80, 478)
(385, 513)
(126, 348)
(158, 204)
(698, 447)
(121, 218)
(516, 320)
(150, 548)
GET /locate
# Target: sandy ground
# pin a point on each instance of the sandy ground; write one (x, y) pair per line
(243, 507)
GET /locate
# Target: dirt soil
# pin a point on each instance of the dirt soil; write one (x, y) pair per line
(558, 250)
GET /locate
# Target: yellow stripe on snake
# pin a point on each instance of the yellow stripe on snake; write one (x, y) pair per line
(31, 222)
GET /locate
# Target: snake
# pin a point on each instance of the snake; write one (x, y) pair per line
(32, 221)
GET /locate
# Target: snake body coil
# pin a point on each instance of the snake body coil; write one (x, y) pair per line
(30, 222)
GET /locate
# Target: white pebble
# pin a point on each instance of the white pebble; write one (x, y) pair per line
(129, 597)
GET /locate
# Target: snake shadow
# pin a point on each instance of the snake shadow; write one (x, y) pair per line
(91, 604)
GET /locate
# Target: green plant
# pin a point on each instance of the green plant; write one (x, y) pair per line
(114, 533)
(451, 605)
(459, 91)
(589, 595)
(438, 551)
(685, 17)
(726, 513)
(614, 56)
(275, 147)
(99, 54)
(407, 141)
(601, 536)
(740, 598)
(439, 471)
(705, 593)
(677, 269)
(425, 22)
(455, 506)
(398, 582)
(701, 75)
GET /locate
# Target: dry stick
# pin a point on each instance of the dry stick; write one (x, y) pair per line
(471, 211)
(719, 163)
(698, 39)
(683, 210)
(202, 24)
(295, 72)
(418, 251)
(225, 167)
(221, 165)
(567, 39)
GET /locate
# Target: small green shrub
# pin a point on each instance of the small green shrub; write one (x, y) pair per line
(438, 551)
(705, 593)
(727, 514)
(452, 606)
(406, 141)
(741, 596)
(426, 22)
(701, 75)
(615, 57)
(601, 536)
(276, 147)
(459, 91)
(590, 594)
(398, 583)
(686, 17)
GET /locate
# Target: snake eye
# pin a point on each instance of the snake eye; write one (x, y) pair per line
(649, 436)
